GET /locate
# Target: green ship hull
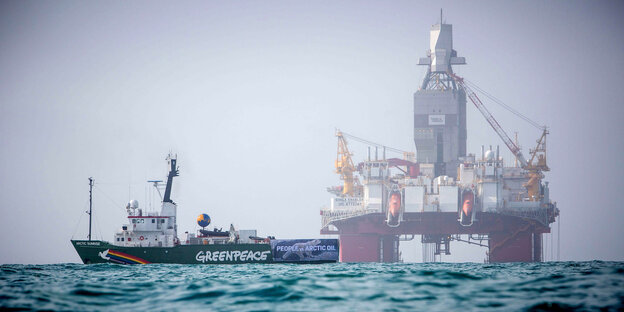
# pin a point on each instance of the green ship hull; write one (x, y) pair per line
(103, 252)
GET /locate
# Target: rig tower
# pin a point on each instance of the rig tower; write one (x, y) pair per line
(440, 106)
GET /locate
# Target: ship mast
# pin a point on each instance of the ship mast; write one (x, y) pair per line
(173, 172)
(90, 203)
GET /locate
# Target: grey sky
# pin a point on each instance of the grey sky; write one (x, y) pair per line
(248, 94)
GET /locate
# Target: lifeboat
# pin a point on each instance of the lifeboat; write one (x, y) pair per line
(467, 205)
(215, 233)
(394, 209)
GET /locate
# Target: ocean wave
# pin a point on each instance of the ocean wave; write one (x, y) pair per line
(561, 286)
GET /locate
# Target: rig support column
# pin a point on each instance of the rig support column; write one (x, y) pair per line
(359, 248)
(369, 248)
(537, 247)
(524, 246)
(389, 248)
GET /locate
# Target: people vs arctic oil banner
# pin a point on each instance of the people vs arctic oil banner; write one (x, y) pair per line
(304, 250)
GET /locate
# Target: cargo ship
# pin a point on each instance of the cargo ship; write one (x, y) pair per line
(152, 238)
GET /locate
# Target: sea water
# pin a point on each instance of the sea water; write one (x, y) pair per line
(565, 286)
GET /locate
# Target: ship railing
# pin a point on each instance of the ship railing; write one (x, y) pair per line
(543, 215)
(330, 216)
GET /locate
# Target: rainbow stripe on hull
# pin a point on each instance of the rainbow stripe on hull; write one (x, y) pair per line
(121, 258)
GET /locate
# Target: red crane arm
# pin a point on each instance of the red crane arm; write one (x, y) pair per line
(490, 119)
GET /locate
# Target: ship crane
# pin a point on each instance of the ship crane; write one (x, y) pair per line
(534, 169)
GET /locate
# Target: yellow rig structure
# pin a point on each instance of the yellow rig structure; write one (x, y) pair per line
(345, 168)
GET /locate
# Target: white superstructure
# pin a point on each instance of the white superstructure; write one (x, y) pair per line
(495, 188)
(151, 229)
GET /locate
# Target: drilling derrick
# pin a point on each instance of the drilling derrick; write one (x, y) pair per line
(440, 106)
(443, 193)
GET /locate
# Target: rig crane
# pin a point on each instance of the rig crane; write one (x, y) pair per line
(345, 168)
(535, 170)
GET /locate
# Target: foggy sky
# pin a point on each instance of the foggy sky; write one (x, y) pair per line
(248, 94)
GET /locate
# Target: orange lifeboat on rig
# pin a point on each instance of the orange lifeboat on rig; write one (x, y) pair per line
(467, 205)
(394, 209)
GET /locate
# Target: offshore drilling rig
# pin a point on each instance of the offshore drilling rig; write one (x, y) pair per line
(441, 193)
